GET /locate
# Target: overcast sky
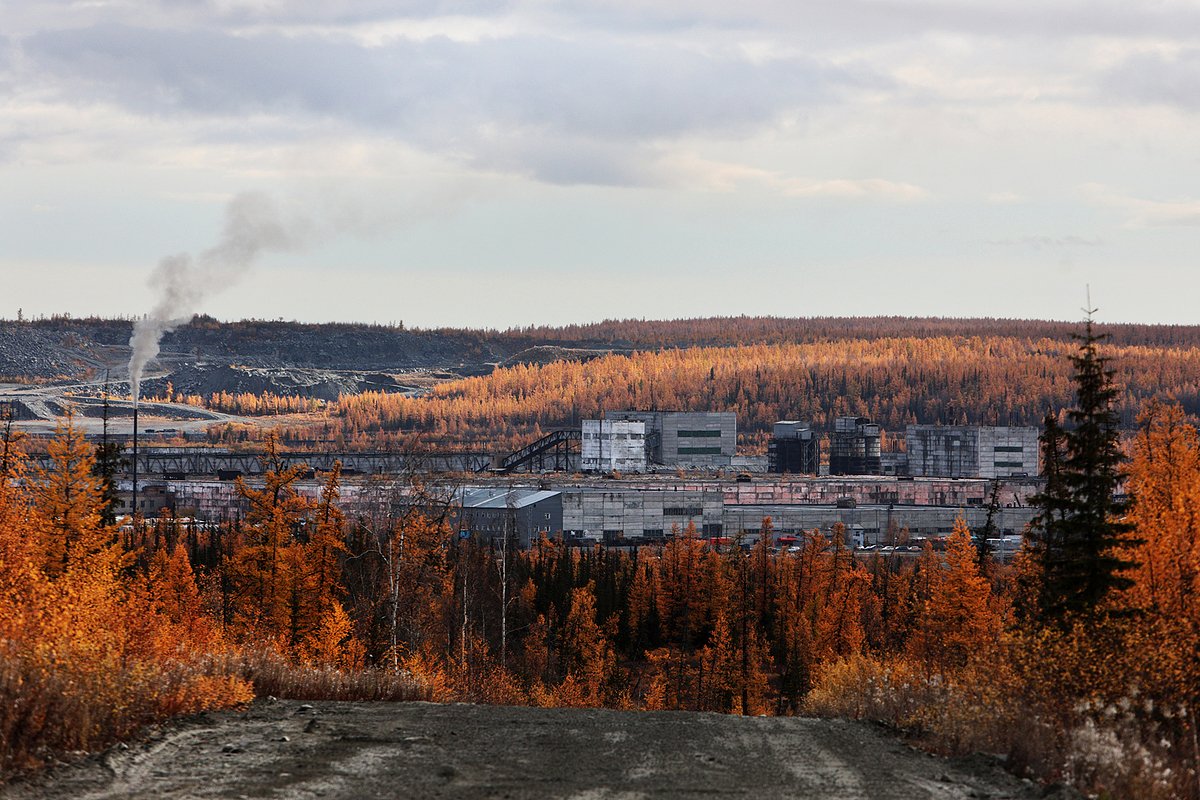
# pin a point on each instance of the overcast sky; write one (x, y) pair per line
(484, 162)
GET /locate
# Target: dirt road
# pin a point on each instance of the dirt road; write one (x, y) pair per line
(384, 750)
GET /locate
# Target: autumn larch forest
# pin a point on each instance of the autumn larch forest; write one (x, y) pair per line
(895, 371)
(1080, 661)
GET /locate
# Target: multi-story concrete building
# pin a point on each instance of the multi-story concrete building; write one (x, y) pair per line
(609, 445)
(965, 451)
(688, 438)
(854, 447)
(610, 513)
(524, 514)
(794, 448)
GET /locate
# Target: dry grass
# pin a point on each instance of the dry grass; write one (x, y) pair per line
(1109, 751)
(272, 674)
(49, 708)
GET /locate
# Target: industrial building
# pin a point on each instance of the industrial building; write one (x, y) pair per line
(872, 524)
(964, 451)
(794, 448)
(610, 445)
(854, 447)
(152, 500)
(686, 438)
(525, 514)
(612, 513)
(649, 507)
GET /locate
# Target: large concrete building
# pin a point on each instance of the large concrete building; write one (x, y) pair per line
(794, 448)
(525, 514)
(871, 524)
(964, 451)
(686, 438)
(610, 445)
(612, 513)
(650, 506)
(854, 447)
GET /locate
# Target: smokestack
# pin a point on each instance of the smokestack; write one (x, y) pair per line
(135, 463)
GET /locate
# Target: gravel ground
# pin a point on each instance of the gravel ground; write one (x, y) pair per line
(384, 750)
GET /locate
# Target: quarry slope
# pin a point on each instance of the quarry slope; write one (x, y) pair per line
(377, 750)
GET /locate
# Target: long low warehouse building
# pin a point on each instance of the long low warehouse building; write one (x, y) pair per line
(873, 524)
(612, 510)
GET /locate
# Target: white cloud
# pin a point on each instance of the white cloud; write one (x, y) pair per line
(1005, 198)
(695, 172)
(1048, 242)
(845, 188)
(1142, 213)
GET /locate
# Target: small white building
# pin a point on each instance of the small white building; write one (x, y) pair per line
(613, 445)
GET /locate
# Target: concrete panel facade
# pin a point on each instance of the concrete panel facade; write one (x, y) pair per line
(873, 522)
(687, 438)
(611, 513)
(613, 445)
(965, 451)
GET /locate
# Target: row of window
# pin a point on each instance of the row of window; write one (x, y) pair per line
(1010, 448)
(699, 434)
(683, 511)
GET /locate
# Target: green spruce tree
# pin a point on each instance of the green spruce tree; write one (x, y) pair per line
(1080, 533)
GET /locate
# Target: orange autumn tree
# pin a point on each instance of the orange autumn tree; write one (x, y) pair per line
(267, 570)
(1164, 477)
(1163, 654)
(86, 655)
(328, 636)
(68, 498)
(957, 621)
(584, 653)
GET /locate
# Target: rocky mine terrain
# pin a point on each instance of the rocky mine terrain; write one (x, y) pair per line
(383, 750)
(257, 356)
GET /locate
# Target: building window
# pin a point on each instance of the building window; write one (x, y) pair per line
(1016, 464)
(699, 434)
(683, 511)
(699, 451)
(1006, 448)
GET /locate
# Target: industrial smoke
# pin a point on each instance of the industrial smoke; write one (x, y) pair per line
(253, 224)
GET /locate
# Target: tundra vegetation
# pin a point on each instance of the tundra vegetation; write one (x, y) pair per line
(1078, 662)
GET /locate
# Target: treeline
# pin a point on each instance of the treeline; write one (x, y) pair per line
(744, 330)
(649, 334)
(895, 381)
(243, 403)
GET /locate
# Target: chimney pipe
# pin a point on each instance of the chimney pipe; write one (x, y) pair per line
(135, 463)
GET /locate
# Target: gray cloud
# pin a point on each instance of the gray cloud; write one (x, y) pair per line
(860, 20)
(537, 104)
(1156, 78)
(24, 16)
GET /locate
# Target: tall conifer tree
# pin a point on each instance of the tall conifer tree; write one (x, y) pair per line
(1081, 531)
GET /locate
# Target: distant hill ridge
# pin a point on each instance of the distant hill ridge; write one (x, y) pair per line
(63, 346)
